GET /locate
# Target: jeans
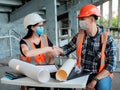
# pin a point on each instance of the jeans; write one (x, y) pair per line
(103, 84)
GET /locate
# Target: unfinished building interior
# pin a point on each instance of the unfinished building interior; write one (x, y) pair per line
(60, 27)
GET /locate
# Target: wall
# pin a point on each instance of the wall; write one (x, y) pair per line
(5, 28)
(3, 32)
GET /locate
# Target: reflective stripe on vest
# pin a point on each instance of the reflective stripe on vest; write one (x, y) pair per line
(42, 58)
(31, 59)
(79, 46)
(80, 39)
(104, 38)
(45, 42)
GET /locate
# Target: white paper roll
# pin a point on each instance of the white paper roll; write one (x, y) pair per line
(65, 70)
(30, 70)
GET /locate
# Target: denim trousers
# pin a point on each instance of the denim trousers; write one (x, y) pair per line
(103, 84)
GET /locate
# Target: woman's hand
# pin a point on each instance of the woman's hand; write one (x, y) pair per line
(56, 51)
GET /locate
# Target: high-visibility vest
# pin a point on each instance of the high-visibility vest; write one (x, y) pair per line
(79, 42)
(41, 58)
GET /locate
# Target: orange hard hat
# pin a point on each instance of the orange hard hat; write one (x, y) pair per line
(89, 10)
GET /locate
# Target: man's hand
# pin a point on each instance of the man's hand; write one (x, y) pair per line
(78, 69)
(56, 51)
(91, 85)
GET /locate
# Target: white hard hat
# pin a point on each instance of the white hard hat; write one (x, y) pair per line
(32, 19)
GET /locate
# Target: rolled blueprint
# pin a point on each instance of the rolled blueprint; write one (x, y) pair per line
(65, 70)
(30, 70)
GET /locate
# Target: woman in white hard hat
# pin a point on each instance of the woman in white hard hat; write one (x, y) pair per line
(35, 46)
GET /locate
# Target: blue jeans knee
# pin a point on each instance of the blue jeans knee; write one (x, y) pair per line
(104, 84)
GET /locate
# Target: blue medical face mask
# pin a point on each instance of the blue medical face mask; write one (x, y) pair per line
(40, 30)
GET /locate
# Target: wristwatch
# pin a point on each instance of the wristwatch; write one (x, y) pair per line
(96, 79)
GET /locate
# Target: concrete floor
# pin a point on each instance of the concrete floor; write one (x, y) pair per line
(115, 86)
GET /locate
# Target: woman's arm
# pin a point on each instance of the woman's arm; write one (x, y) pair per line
(34, 52)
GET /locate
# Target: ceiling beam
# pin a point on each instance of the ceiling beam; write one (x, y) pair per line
(5, 9)
(11, 2)
(99, 2)
(31, 6)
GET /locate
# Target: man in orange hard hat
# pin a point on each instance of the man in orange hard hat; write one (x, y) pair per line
(95, 49)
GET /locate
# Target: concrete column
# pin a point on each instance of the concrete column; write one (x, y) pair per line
(101, 18)
(118, 13)
(119, 19)
(73, 21)
(110, 14)
(51, 25)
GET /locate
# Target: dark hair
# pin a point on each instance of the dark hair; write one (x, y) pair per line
(30, 32)
(96, 17)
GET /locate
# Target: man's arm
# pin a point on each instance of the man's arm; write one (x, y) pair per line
(110, 61)
(66, 49)
(70, 47)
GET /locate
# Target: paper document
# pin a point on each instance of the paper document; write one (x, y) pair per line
(73, 74)
(63, 73)
(68, 71)
(49, 68)
(30, 70)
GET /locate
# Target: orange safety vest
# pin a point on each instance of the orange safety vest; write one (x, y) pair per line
(80, 39)
(41, 58)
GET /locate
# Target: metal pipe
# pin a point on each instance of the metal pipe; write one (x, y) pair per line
(10, 43)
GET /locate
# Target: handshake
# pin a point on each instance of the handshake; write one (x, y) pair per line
(56, 51)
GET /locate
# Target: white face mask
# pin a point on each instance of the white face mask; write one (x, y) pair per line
(83, 25)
